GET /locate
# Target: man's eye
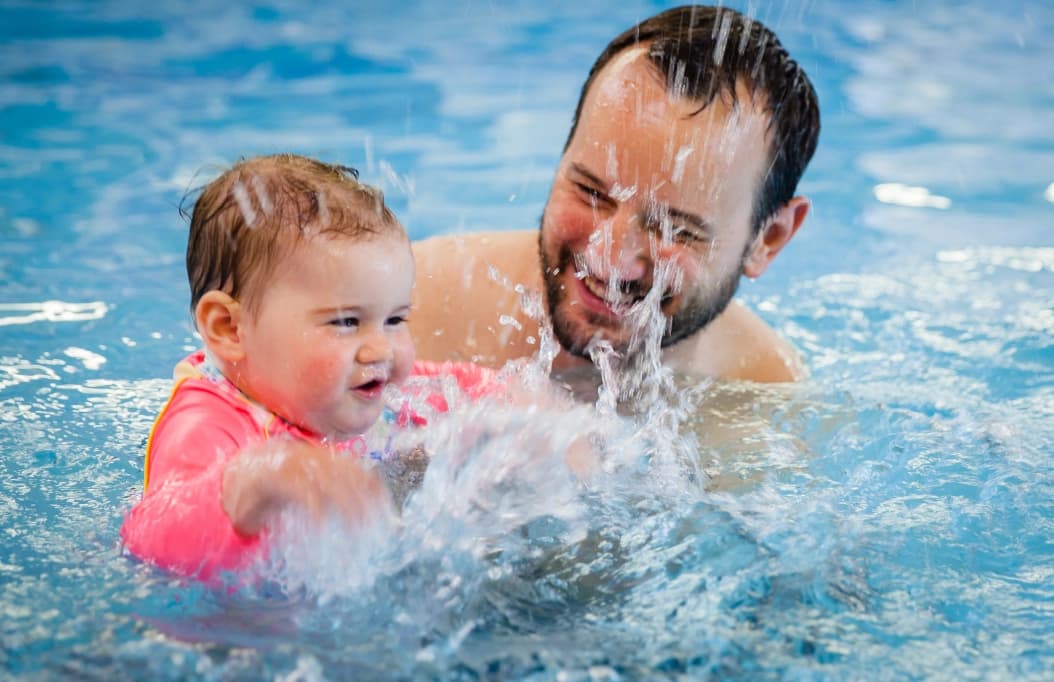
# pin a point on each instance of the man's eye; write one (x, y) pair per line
(592, 195)
(345, 322)
(685, 235)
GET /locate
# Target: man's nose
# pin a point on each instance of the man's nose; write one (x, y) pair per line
(375, 348)
(630, 251)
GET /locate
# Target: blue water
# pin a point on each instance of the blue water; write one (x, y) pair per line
(889, 518)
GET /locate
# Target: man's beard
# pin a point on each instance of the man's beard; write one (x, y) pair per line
(695, 313)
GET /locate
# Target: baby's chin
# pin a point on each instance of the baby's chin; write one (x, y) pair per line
(348, 429)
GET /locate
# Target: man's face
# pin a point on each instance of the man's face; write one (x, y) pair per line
(650, 210)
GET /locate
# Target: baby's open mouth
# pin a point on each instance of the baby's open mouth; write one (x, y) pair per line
(371, 388)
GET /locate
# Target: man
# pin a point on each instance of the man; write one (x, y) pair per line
(678, 177)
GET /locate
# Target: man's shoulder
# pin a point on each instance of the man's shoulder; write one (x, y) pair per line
(498, 247)
(739, 345)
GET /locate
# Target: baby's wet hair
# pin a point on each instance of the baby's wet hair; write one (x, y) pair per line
(249, 218)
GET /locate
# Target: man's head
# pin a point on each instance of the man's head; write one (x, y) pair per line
(300, 282)
(690, 136)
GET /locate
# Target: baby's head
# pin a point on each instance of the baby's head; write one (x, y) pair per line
(300, 281)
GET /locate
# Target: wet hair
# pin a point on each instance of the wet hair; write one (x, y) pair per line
(251, 217)
(703, 52)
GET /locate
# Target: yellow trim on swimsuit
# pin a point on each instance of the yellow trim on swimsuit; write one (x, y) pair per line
(181, 377)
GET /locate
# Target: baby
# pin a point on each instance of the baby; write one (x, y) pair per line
(300, 282)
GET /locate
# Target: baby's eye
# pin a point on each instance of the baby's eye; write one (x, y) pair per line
(345, 322)
(396, 320)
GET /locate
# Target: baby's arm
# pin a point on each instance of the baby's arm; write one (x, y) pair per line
(275, 475)
(180, 524)
(194, 519)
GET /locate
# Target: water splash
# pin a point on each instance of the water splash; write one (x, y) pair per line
(495, 473)
(404, 184)
(245, 204)
(263, 196)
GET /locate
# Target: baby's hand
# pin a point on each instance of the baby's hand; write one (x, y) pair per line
(582, 458)
(276, 475)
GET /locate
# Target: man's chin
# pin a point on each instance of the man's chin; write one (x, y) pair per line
(582, 339)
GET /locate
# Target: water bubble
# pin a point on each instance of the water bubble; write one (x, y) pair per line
(723, 30)
(323, 210)
(403, 183)
(367, 144)
(680, 159)
(241, 197)
(262, 195)
(510, 321)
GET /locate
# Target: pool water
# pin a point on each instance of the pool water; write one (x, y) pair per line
(888, 518)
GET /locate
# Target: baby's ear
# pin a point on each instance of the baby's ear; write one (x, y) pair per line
(218, 317)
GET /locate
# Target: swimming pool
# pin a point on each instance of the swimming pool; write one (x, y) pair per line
(889, 518)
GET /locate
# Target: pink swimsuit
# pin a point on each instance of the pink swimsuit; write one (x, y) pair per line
(180, 524)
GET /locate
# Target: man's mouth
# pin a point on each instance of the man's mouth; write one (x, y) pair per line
(619, 300)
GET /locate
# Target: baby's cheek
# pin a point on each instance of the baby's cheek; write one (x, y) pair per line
(321, 367)
(403, 361)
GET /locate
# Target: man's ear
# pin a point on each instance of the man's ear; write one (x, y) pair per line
(218, 318)
(774, 236)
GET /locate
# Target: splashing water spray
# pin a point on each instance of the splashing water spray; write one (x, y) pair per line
(496, 480)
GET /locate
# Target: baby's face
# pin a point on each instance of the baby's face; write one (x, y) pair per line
(330, 333)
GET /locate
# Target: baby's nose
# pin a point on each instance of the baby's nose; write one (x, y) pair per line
(375, 348)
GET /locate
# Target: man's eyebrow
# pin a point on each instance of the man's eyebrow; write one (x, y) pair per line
(588, 175)
(698, 222)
